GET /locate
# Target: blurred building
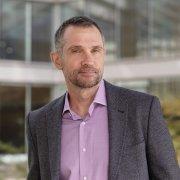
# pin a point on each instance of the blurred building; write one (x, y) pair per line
(143, 53)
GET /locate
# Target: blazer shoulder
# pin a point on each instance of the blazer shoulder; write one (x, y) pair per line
(125, 91)
(128, 94)
(41, 112)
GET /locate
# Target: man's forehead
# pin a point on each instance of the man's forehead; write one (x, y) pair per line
(82, 36)
(76, 32)
(76, 28)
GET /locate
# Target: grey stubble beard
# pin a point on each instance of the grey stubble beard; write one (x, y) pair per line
(82, 83)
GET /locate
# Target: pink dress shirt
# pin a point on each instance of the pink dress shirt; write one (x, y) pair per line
(84, 141)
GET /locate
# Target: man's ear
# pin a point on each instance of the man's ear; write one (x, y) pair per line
(56, 59)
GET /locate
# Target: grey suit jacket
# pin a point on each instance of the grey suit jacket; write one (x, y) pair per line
(140, 147)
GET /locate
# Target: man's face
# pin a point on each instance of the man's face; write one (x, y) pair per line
(82, 56)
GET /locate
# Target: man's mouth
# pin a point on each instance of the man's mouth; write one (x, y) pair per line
(87, 72)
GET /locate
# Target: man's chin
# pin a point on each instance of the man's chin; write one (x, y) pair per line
(87, 83)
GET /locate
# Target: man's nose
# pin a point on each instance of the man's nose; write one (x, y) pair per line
(87, 58)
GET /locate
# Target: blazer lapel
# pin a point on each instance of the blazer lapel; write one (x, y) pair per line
(117, 120)
(54, 117)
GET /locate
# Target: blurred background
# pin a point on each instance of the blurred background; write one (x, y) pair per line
(143, 53)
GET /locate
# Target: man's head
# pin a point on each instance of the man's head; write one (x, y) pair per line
(80, 52)
(77, 21)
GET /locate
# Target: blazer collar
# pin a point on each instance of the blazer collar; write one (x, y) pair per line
(117, 120)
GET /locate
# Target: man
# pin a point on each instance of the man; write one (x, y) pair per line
(96, 131)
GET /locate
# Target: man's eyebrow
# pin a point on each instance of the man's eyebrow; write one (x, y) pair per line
(97, 47)
(74, 46)
(79, 47)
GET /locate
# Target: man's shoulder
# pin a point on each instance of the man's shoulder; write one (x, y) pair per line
(126, 94)
(41, 112)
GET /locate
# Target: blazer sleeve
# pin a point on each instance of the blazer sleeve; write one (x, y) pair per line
(162, 161)
(33, 162)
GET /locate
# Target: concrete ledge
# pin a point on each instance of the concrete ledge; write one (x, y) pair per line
(12, 71)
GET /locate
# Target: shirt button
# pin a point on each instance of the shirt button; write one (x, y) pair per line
(84, 149)
(85, 178)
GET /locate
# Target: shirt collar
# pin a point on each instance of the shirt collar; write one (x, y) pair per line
(100, 98)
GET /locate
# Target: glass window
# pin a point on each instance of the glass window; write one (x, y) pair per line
(12, 108)
(150, 28)
(165, 31)
(12, 127)
(12, 29)
(142, 16)
(41, 31)
(128, 30)
(12, 115)
(70, 9)
(40, 96)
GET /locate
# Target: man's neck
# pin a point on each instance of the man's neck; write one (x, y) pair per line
(81, 99)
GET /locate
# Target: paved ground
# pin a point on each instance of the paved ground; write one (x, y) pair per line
(13, 171)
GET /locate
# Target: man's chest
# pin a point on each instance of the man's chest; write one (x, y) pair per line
(85, 147)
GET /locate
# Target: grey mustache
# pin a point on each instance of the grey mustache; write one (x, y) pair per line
(83, 70)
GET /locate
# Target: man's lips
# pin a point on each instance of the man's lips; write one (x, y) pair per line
(88, 72)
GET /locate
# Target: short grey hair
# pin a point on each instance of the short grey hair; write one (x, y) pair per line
(80, 21)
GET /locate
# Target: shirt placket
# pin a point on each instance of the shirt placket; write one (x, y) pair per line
(83, 151)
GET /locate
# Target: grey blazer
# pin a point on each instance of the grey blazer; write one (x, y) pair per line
(140, 147)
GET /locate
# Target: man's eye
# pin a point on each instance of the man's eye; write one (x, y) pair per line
(75, 50)
(95, 50)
